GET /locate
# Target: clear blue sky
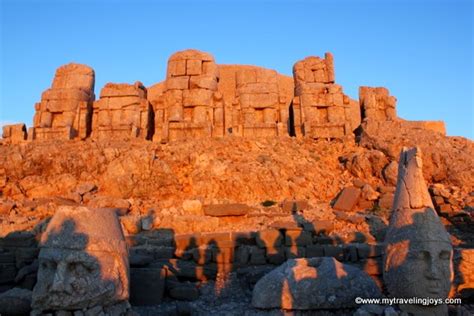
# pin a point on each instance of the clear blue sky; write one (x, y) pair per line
(421, 50)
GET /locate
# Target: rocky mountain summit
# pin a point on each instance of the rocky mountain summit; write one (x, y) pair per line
(236, 191)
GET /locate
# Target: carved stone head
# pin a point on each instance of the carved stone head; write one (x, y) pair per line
(83, 261)
(418, 256)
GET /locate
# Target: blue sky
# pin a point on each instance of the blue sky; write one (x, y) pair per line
(421, 50)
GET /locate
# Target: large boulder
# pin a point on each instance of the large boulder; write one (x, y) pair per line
(314, 283)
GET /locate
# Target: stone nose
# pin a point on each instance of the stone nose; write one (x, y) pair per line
(433, 271)
(61, 282)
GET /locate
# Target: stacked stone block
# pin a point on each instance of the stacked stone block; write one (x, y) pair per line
(65, 109)
(203, 256)
(257, 104)
(377, 104)
(122, 112)
(15, 133)
(190, 105)
(326, 112)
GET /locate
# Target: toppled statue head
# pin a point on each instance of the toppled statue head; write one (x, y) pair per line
(83, 261)
(418, 255)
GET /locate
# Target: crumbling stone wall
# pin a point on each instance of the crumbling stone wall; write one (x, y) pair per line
(189, 104)
(15, 133)
(377, 103)
(122, 112)
(326, 112)
(256, 100)
(200, 99)
(65, 109)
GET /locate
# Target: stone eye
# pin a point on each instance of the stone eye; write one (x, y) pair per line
(47, 264)
(418, 255)
(445, 255)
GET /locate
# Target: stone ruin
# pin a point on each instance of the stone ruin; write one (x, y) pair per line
(200, 99)
(15, 133)
(65, 109)
(190, 103)
(324, 110)
(122, 112)
(257, 103)
(377, 104)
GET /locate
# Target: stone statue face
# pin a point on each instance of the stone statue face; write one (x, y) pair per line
(83, 261)
(424, 270)
(74, 279)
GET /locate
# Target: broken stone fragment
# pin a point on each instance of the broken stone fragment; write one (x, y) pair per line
(348, 199)
(232, 209)
(314, 283)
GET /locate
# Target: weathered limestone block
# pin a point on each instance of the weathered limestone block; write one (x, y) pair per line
(323, 110)
(347, 199)
(231, 209)
(15, 133)
(74, 76)
(377, 104)
(418, 255)
(313, 283)
(189, 101)
(65, 109)
(122, 112)
(315, 69)
(83, 261)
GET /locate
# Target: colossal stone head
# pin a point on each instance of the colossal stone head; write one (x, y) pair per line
(418, 256)
(83, 261)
